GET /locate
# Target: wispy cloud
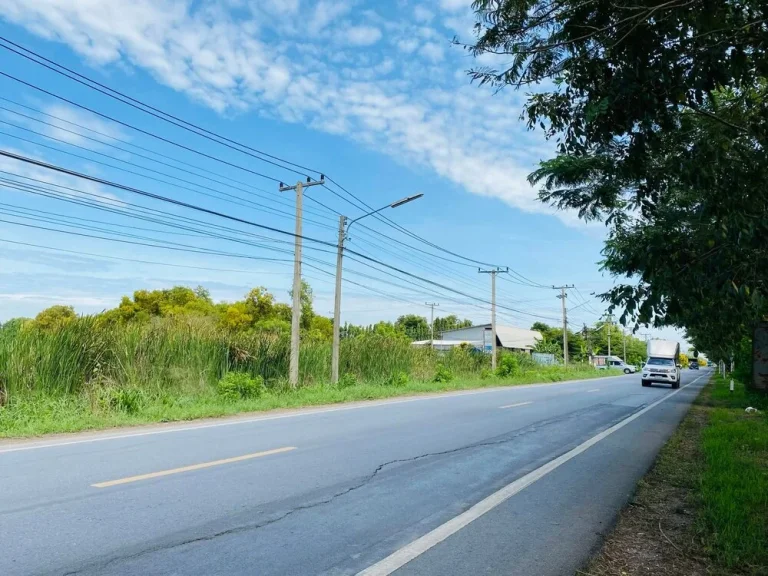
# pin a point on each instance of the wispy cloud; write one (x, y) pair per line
(419, 109)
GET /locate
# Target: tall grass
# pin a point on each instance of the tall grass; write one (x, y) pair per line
(92, 374)
(193, 353)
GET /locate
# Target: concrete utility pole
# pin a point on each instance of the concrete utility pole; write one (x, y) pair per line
(563, 295)
(609, 323)
(431, 322)
(293, 372)
(493, 273)
(343, 235)
(337, 303)
(624, 340)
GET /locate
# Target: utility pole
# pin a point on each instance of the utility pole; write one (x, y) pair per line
(431, 322)
(337, 303)
(624, 339)
(609, 323)
(343, 235)
(493, 273)
(563, 295)
(293, 372)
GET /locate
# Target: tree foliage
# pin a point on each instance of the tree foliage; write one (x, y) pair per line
(54, 317)
(660, 111)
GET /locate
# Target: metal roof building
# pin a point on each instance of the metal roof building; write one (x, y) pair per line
(507, 337)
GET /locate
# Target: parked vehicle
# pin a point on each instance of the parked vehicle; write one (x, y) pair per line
(663, 365)
(605, 362)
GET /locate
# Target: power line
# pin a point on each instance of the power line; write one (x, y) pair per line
(197, 172)
(110, 92)
(228, 197)
(154, 196)
(198, 130)
(137, 129)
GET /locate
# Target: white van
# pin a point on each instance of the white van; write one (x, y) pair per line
(605, 362)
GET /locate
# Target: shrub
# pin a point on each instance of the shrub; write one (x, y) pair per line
(443, 374)
(347, 380)
(508, 366)
(128, 400)
(486, 374)
(398, 379)
(239, 385)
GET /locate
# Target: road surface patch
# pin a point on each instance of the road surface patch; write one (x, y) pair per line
(409, 552)
(594, 390)
(152, 475)
(515, 405)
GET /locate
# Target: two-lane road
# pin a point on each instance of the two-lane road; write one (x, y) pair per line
(505, 481)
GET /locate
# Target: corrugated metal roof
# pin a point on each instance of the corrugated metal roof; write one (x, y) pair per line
(509, 336)
(512, 337)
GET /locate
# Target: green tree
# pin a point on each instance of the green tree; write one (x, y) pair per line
(306, 298)
(55, 317)
(415, 326)
(451, 322)
(671, 154)
(260, 303)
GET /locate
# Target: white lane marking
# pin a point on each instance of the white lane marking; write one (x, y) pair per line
(594, 390)
(293, 414)
(515, 405)
(401, 557)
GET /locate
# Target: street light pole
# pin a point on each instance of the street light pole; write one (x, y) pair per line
(344, 235)
(293, 372)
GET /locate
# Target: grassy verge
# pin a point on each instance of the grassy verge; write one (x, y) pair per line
(35, 414)
(703, 507)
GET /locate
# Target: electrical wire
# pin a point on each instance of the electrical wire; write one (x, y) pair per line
(231, 198)
(148, 109)
(108, 91)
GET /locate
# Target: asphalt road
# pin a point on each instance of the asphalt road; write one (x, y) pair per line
(508, 481)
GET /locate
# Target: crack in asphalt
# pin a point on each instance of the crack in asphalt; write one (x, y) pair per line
(366, 480)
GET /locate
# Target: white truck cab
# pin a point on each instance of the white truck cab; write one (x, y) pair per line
(663, 365)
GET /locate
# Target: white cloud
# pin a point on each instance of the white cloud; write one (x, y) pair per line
(454, 5)
(422, 14)
(326, 11)
(407, 45)
(416, 109)
(432, 51)
(363, 35)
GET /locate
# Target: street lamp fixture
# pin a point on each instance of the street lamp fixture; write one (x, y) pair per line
(396, 204)
(343, 235)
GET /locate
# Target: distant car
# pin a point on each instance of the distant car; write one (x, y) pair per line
(693, 366)
(605, 362)
(626, 368)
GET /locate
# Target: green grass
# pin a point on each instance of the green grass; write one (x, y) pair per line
(734, 479)
(43, 413)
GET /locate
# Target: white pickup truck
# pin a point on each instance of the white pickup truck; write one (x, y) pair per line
(663, 365)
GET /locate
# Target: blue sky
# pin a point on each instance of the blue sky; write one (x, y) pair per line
(371, 93)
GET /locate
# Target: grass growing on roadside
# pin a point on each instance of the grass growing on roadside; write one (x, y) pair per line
(734, 482)
(703, 507)
(35, 414)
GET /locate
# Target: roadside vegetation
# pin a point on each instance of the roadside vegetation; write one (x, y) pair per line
(174, 355)
(703, 507)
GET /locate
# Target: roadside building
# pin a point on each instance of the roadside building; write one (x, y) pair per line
(507, 337)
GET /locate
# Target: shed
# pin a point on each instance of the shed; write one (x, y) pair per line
(507, 337)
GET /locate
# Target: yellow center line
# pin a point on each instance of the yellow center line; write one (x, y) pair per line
(515, 405)
(151, 475)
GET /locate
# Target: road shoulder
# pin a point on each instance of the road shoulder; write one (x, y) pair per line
(119, 431)
(676, 525)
